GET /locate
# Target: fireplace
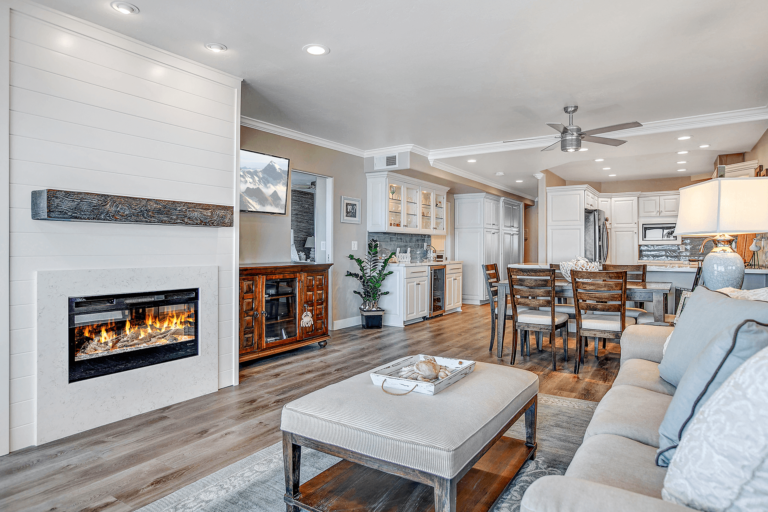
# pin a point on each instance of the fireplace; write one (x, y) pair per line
(115, 333)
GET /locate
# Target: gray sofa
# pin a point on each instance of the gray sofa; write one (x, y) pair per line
(614, 469)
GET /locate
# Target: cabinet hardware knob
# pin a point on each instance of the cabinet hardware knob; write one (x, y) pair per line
(256, 314)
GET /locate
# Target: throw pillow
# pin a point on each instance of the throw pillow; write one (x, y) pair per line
(706, 313)
(722, 462)
(726, 352)
(666, 344)
(758, 294)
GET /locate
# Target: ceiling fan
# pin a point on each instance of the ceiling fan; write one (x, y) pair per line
(571, 135)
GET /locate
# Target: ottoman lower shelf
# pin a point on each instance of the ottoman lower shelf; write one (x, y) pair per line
(347, 486)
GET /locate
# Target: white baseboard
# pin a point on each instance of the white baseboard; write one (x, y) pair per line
(346, 322)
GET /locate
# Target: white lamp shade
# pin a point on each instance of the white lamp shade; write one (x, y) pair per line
(310, 243)
(724, 205)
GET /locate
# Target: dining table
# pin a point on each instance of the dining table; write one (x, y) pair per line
(648, 292)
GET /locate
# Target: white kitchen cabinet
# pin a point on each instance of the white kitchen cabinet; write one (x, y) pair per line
(604, 203)
(401, 204)
(453, 275)
(590, 200)
(669, 205)
(417, 294)
(565, 221)
(510, 249)
(649, 206)
(659, 205)
(623, 245)
(476, 244)
(510, 214)
(624, 210)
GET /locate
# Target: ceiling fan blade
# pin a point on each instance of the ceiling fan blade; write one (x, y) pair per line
(557, 126)
(551, 146)
(602, 140)
(613, 128)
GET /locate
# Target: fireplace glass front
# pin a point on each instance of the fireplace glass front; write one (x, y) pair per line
(115, 333)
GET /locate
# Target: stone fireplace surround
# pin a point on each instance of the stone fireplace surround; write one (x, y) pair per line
(64, 408)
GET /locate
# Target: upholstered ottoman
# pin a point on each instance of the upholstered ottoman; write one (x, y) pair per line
(412, 451)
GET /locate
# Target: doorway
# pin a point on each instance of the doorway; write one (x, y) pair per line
(311, 217)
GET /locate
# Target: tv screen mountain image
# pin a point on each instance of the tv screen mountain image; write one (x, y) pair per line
(263, 182)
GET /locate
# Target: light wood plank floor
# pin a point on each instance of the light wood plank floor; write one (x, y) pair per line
(131, 463)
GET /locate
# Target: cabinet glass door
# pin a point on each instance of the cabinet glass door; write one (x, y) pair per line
(280, 315)
(412, 207)
(440, 212)
(426, 209)
(395, 210)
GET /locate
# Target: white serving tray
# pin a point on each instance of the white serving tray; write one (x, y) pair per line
(459, 369)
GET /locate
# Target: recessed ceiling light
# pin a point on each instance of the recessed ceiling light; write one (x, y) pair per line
(216, 47)
(316, 49)
(704, 146)
(125, 8)
(682, 152)
(518, 181)
(599, 159)
(583, 149)
(684, 137)
(499, 173)
(471, 160)
(681, 170)
(682, 162)
(611, 175)
(606, 168)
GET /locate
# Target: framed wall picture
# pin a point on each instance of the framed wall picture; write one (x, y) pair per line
(263, 182)
(351, 210)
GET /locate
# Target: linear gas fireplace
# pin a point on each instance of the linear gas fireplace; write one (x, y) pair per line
(115, 333)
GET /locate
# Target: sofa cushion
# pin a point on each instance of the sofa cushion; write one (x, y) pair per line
(424, 432)
(643, 342)
(643, 374)
(719, 359)
(619, 462)
(722, 462)
(556, 493)
(630, 412)
(706, 313)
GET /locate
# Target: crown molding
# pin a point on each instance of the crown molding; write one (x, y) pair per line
(295, 135)
(649, 128)
(474, 177)
(412, 148)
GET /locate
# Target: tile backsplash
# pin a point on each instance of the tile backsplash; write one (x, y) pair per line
(390, 242)
(688, 248)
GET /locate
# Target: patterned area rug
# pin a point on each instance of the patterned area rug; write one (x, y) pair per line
(256, 482)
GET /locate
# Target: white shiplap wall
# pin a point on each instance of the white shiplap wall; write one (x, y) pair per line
(91, 110)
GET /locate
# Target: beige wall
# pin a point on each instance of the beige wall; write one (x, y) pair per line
(531, 225)
(760, 151)
(267, 238)
(651, 185)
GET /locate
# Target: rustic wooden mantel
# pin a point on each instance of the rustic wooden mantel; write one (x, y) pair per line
(65, 205)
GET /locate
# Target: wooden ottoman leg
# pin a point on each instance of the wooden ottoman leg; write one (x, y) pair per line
(445, 495)
(530, 426)
(292, 467)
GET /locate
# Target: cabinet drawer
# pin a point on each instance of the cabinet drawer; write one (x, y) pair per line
(416, 272)
(453, 269)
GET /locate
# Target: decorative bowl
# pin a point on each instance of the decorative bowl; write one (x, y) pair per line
(578, 264)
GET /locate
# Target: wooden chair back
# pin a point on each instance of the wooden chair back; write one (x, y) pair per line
(558, 272)
(600, 291)
(533, 288)
(635, 273)
(492, 277)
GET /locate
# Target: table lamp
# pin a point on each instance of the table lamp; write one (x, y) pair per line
(310, 244)
(720, 208)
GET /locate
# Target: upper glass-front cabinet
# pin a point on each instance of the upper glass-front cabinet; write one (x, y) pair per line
(405, 205)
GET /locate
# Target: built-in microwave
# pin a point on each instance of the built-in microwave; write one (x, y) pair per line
(658, 230)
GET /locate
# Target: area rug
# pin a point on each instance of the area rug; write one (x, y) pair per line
(256, 483)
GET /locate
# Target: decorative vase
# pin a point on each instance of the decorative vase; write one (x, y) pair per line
(722, 267)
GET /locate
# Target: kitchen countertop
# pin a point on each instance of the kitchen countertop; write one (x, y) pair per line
(424, 264)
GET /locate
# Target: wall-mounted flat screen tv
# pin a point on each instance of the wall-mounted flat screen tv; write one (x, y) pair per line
(263, 182)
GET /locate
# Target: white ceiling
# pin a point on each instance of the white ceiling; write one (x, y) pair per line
(441, 75)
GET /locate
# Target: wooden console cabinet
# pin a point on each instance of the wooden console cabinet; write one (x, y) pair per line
(273, 299)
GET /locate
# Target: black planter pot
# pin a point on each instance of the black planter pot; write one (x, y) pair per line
(371, 319)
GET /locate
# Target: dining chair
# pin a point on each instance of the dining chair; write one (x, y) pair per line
(599, 292)
(530, 289)
(635, 274)
(492, 277)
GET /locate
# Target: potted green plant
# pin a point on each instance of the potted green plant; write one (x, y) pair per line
(373, 271)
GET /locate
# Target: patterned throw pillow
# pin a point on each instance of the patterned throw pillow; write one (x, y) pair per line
(722, 462)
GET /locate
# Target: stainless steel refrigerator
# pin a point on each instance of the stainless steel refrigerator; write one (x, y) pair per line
(595, 236)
